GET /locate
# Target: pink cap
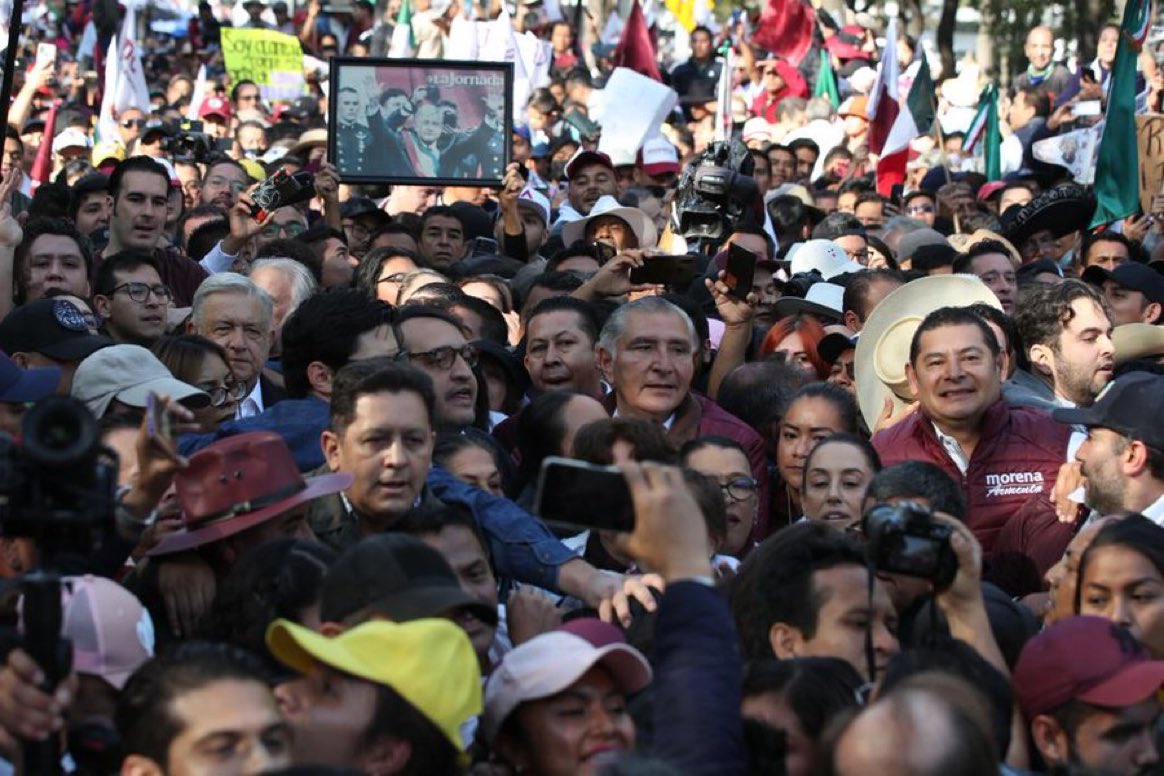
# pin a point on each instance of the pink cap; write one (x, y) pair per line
(658, 156)
(537, 199)
(111, 632)
(989, 188)
(550, 663)
(214, 106)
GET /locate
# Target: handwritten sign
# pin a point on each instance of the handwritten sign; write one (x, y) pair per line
(273, 60)
(1150, 145)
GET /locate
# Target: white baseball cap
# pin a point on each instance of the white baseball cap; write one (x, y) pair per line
(824, 256)
(533, 197)
(71, 137)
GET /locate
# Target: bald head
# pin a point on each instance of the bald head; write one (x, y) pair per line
(1039, 47)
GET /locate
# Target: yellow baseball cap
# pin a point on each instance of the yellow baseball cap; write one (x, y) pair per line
(430, 663)
(108, 150)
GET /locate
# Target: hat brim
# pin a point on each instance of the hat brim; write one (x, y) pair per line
(832, 346)
(633, 217)
(186, 394)
(33, 385)
(791, 305)
(587, 157)
(1135, 683)
(1137, 340)
(1059, 215)
(188, 539)
(418, 603)
(76, 348)
(894, 320)
(1097, 276)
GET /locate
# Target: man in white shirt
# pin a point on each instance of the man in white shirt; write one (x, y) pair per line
(1123, 456)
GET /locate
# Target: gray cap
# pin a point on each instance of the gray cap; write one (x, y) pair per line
(918, 238)
(129, 373)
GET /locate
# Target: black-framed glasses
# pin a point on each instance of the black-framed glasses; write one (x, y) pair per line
(140, 292)
(740, 489)
(232, 390)
(443, 358)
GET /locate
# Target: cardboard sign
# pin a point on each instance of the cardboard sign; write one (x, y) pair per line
(1150, 145)
(273, 60)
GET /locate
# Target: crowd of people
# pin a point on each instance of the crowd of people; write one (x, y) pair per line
(897, 478)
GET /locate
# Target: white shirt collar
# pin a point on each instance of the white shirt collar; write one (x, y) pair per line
(953, 449)
(1155, 511)
(666, 423)
(252, 404)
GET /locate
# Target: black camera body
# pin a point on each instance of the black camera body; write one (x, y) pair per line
(59, 486)
(186, 142)
(715, 192)
(798, 284)
(905, 539)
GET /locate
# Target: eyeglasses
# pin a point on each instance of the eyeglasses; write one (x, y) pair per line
(232, 390)
(140, 292)
(219, 181)
(860, 256)
(740, 489)
(443, 358)
(133, 123)
(395, 277)
(291, 229)
(920, 209)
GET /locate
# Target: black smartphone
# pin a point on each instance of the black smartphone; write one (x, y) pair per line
(740, 272)
(676, 271)
(583, 495)
(280, 190)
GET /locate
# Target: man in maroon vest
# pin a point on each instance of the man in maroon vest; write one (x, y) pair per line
(1006, 458)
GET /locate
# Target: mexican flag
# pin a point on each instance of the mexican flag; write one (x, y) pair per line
(1117, 172)
(916, 120)
(882, 108)
(402, 44)
(984, 129)
(826, 81)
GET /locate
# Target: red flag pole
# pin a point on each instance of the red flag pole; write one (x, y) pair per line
(42, 166)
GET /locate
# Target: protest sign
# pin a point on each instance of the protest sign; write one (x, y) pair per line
(1074, 150)
(624, 130)
(1150, 145)
(273, 60)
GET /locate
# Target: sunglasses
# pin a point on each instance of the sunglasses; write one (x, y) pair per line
(133, 123)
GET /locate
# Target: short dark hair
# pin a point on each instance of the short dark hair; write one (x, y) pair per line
(409, 312)
(220, 159)
(125, 261)
(835, 395)
(448, 212)
(431, 519)
(789, 215)
(325, 328)
(1014, 343)
(952, 316)
(594, 442)
(394, 717)
(93, 183)
(756, 231)
(368, 272)
(695, 445)
(775, 584)
(203, 239)
(235, 89)
(837, 225)
(816, 689)
(493, 325)
(136, 164)
(35, 229)
(376, 375)
(918, 480)
(856, 296)
(145, 717)
(804, 142)
(562, 282)
(1107, 236)
(1038, 98)
(540, 430)
(1045, 310)
(759, 392)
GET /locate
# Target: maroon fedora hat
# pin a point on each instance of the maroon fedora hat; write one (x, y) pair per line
(238, 483)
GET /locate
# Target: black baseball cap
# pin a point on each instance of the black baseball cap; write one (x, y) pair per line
(397, 576)
(832, 346)
(357, 207)
(51, 327)
(1130, 405)
(1132, 275)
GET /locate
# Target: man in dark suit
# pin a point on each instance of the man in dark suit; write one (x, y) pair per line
(234, 312)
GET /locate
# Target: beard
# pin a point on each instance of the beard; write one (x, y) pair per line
(1105, 493)
(1077, 383)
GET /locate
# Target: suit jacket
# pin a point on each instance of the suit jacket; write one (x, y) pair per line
(272, 394)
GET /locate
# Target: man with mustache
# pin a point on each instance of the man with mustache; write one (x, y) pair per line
(1066, 329)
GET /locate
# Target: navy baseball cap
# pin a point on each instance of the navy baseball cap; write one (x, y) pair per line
(52, 327)
(18, 386)
(1131, 275)
(1130, 405)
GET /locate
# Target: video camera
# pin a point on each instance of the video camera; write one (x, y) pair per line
(59, 488)
(905, 539)
(186, 142)
(715, 192)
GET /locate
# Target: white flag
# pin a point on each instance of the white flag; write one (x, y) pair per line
(125, 84)
(198, 95)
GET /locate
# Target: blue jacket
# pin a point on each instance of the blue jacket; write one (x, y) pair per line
(697, 685)
(298, 421)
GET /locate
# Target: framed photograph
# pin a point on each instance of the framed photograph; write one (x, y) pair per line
(420, 122)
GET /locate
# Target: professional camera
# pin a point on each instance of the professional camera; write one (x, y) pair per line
(798, 284)
(715, 192)
(905, 539)
(186, 142)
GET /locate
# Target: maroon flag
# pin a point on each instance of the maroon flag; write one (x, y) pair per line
(635, 49)
(785, 29)
(42, 167)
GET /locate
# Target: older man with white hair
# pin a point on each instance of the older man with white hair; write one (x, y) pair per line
(289, 284)
(233, 311)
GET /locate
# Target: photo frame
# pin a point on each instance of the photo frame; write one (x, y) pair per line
(420, 121)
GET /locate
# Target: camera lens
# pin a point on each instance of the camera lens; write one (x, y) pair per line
(60, 431)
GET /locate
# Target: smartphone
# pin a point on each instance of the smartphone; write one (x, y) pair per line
(666, 270)
(1086, 108)
(483, 246)
(740, 272)
(584, 495)
(157, 419)
(46, 54)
